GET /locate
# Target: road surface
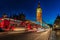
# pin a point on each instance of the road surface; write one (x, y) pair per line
(26, 36)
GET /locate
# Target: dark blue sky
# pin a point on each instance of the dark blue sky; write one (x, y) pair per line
(50, 8)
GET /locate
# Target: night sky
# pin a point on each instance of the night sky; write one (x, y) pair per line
(50, 8)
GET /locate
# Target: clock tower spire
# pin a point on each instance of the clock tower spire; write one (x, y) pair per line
(39, 13)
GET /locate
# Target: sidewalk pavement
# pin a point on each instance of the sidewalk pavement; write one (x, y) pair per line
(52, 35)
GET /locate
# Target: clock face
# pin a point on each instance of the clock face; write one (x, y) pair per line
(39, 10)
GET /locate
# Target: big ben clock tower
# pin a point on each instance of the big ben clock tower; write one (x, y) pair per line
(39, 13)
